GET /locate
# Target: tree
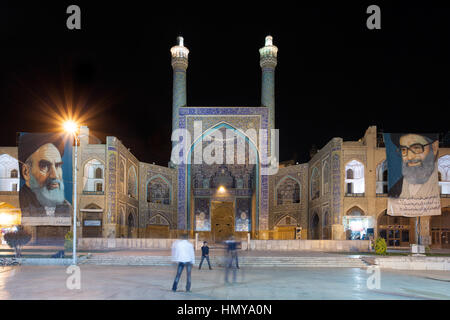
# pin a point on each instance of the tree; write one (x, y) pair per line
(380, 246)
(68, 241)
(17, 239)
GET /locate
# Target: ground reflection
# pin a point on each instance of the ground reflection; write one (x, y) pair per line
(5, 274)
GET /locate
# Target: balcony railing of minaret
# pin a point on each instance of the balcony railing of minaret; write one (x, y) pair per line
(179, 51)
(269, 50)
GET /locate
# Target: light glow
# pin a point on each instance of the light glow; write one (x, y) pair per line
(356, 225)
(7, 219)
(70, 126)
(221, 189)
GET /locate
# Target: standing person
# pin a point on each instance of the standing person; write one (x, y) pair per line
(231, 255)
(205, 255)
(183, 253)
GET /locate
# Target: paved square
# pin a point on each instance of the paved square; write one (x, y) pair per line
(154, 282)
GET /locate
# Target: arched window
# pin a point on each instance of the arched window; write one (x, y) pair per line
(159, 220)
(355, 212)
(288, 191)
(98, 186)
(325, 177)
(98, 173)
(158, 191)
(349, 174)
(382, 178)
(122, 177)
(14, 173)
(9, 173)
(444, 174)
(315, 186)
(132, 182)
(287, 221)
(93, 176)
(354, 181)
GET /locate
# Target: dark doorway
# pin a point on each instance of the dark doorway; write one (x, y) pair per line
(130, 225)
(315, 227)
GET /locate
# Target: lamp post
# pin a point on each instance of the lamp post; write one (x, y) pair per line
(72, 128)
(74, 248)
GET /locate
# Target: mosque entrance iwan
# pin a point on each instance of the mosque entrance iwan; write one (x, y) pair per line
(222, 224)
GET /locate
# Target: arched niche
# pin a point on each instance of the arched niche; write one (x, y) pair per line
(354, 177)
(93, 176)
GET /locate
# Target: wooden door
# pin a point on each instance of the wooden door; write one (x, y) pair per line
(157, 232)
(222, 220)
(285, 233)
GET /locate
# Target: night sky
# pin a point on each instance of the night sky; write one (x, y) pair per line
(334, 76)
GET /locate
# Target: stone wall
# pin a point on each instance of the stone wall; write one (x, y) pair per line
(264, 245)
(311, 245)
(412, 263)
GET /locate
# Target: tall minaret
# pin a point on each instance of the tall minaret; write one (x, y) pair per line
(179, 64)
(268, 62)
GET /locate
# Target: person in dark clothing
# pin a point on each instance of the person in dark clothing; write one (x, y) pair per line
(231, 255)
(205, 255)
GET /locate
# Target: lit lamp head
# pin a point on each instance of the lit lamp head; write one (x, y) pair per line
(221, 189)
(70, 127)
(6, 219)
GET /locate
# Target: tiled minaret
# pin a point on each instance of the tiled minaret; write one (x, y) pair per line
(268, 62)
(179, 65)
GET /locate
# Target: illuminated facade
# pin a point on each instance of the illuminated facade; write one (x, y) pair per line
(341, 193)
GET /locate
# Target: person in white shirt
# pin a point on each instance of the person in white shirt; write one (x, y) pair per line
(183, 254)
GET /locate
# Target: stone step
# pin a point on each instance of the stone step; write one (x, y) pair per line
(347, 262)
(240, 260)
(244, 266)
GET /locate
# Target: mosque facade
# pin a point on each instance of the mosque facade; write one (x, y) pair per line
(341, 193)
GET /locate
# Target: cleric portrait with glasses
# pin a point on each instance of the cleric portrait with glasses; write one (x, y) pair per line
(419, 179)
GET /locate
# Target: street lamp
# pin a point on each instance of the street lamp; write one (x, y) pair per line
(72, 128)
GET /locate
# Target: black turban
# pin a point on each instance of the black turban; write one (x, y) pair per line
(395, 137)
(30, 142)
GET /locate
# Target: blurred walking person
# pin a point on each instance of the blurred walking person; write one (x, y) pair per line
(205, 255)
(183, 253)
(231, 256)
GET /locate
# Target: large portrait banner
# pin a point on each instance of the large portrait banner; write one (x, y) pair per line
(413, 187)
(46, 180)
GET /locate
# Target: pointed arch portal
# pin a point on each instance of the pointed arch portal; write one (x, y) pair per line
(248, 141)
(184, 171)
